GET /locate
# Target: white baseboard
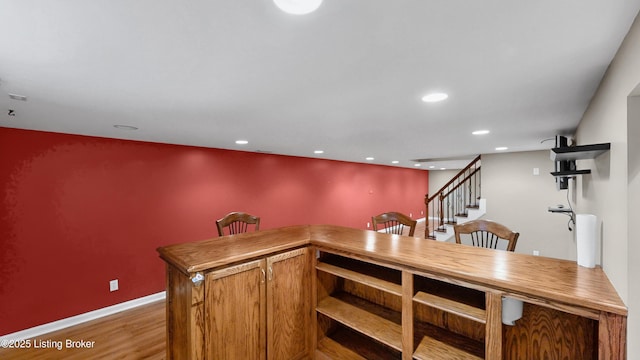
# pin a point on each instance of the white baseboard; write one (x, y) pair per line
(78, 319)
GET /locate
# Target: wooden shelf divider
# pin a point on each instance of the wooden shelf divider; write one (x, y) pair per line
(365, 322)
(451, 306)
(364, 279)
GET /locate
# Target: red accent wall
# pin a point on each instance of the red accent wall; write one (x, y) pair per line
(78, 211)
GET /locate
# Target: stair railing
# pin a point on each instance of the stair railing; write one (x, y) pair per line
(458, 195)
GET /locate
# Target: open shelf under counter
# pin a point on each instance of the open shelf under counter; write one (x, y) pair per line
(347, 344)
(331, 349)
(436, 343)
(432, 349)
(374, 321)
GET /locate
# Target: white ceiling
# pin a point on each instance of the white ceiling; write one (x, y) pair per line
(346, 79)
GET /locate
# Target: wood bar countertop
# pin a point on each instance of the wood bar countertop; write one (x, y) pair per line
(555, 280)
(547, 279)
(225, 250)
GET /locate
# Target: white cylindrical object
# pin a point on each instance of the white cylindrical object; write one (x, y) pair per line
(511, 310)
(586, 239)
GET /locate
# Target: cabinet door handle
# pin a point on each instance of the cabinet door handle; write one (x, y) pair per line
(197, 279)
(264, 275)
(270, 273)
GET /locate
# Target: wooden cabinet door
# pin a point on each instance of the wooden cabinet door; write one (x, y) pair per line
(289, 305)
(235, 312)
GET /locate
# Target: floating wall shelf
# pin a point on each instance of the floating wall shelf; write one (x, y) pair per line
(571, 173)
(572, 153)
(560, 210)
(579, 152)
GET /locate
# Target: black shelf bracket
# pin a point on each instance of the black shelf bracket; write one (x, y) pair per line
(569, 212)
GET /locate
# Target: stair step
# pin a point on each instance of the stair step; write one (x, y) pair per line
(462, 215)
(475, 206)
(441, 230)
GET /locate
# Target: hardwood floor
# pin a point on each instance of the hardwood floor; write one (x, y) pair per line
(133, 334)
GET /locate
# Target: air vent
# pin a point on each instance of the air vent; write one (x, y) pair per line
(453, 158)
(17, 97)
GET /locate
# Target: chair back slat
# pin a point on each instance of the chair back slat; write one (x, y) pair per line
(487, 234)
(394, 223)
(237, 223)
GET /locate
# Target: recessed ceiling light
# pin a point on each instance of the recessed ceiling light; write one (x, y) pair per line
(242, 142)
(443, 168)
(434, 97)
(480, 132)
(370, 158)
(318, 152)
(417, 165)
(395, 162)
(298, 7)
(125, 127)
(501, 148)
(432, 167)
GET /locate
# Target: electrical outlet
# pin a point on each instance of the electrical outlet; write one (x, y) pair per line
(536, 171)
(368, 225)
(536, 253)
(113, 285)
(411, 215)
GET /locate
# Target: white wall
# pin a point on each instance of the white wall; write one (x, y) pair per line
(437, 179)
(633, 211)
(520, 200)
(606, 192)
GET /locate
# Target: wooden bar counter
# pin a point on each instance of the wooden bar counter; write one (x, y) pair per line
(330, 292)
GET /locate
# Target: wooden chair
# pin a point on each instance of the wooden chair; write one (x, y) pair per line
(237, 222)
(486, 233)
(394, 223)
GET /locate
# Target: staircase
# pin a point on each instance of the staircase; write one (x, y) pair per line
(458, 201)
(472, 214)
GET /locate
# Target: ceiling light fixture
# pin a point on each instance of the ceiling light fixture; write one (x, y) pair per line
(370, 158)
(395, 162)
(242, 142)
(480, 132)
(318, 152)
(501, 148)
(434, 97)
(298, 7)
(417, 165)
